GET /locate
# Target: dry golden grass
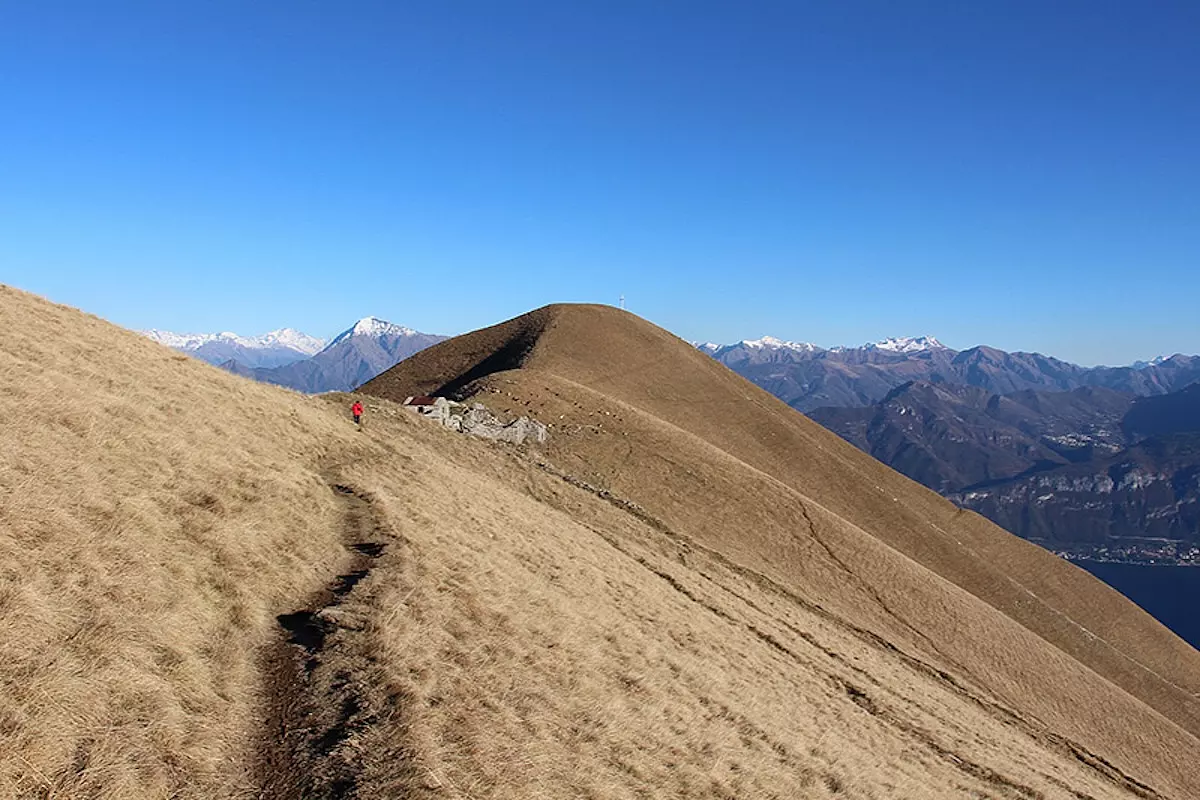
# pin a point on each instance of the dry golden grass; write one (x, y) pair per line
(538, 641)
(154, 514)
(725, 465)
(717, 625)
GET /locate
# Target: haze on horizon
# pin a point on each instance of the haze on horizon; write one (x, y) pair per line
(1020, 175)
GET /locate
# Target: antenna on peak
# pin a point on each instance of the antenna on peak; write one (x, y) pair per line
(621, 302)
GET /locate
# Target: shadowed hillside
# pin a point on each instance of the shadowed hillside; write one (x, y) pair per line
(218, 589)
(953, 438)
(1090, 471)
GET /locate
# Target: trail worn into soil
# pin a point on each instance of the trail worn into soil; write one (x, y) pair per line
(320, 694)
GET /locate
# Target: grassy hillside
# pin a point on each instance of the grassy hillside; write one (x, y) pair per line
(642, 415)
(155, 515)
(686, 593)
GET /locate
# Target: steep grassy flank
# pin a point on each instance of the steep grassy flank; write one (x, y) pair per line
(155, 513)
(542, 641)
(640, 413)
(632, 611)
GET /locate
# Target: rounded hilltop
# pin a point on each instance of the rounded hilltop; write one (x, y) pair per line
(651, 419)
(584, 342)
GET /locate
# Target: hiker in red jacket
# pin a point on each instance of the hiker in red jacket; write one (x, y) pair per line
(356, 410)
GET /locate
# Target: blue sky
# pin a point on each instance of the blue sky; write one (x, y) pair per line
(1022, 174)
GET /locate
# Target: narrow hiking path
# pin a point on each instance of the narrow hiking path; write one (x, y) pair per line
(318, 673)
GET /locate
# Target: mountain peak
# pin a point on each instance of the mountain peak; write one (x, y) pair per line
(374, 326)
(900, 344)
(906, 344)
(179, 341)
(285, 338)
(292, 339)
(1154, 362)
(771, 343)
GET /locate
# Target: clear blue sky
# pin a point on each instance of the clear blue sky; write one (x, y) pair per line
(1019, 173)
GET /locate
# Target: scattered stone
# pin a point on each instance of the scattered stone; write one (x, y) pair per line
(478, 420)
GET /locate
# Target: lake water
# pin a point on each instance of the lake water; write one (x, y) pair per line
(1171, 594)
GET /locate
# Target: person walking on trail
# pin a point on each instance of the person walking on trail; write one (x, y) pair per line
(357, 411)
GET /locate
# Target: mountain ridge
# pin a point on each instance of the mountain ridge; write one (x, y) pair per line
(904, 344)
(221, 589)
(1088, 472)
(353, 357)
(809, 377)
(272, 349)
(540, 363)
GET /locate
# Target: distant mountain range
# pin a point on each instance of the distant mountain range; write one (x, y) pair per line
(953, 437)
(1144, 496)
(304, 363)
(1100, 462)
(1090, 472)
(1083, 459)
(807, 377)
(272, 349)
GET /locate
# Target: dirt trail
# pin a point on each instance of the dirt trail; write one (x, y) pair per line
(318, 677)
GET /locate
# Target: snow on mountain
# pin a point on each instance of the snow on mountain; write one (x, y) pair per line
(291, 358)
(273, 349)
(356, 355)
(1154, 362)
(906, 344)
(180, 341)
(284, 338)
(292, 339)
(376, 327)
(771, 343)
(902, 345)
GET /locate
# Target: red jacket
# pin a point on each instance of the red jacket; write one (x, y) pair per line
(356, 409)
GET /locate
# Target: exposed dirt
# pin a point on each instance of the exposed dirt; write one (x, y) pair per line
(319, 687)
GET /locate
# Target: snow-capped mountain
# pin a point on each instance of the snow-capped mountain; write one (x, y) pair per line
(288, 338)
(807, 377)
(357, 354)
(374, 327)
(185, 341)
(287, 357)
(766, 348)
(293, 340)
(274, 349)
(771, 343)
(1154, 362)
(902, 345)
(906, 344)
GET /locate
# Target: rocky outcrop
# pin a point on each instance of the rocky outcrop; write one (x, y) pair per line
(477, 420)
